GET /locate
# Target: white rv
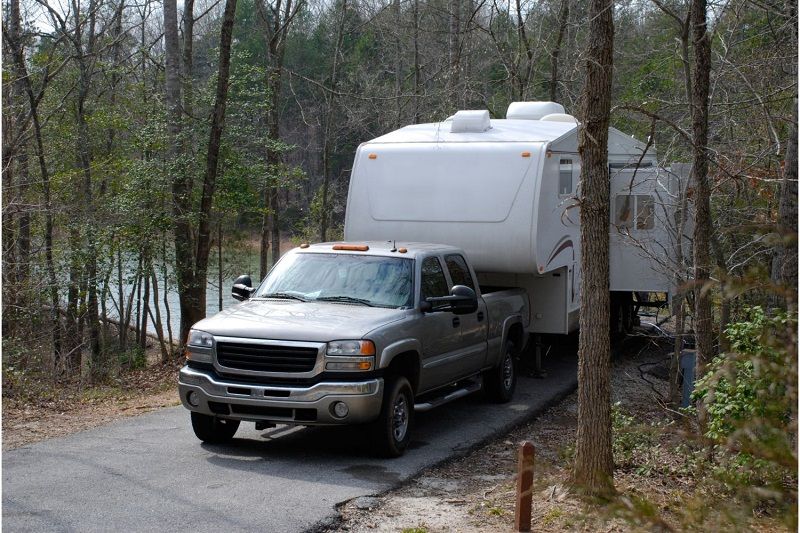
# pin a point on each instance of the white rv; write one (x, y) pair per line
(505, 192)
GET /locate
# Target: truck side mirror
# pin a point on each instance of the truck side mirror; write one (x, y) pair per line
(462, 301)
(242, 288)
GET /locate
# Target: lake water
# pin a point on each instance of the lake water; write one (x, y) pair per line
(235, 262)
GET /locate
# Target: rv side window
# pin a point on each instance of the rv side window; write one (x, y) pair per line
(645, 211)
(433, 280)
(639, 208)
(459, 272)
(623, 211)
(565, 177)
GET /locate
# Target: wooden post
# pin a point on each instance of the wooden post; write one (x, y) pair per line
(522, 511)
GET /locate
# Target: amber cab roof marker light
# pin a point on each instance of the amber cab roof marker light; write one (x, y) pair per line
(305, 245)
(351, 247)
(373, 156)
(402, 250)
(526, 154)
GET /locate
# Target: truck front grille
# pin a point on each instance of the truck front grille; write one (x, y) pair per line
(266, 358)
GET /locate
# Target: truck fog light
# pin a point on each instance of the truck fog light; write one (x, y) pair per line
(193, 399)
(340, 409)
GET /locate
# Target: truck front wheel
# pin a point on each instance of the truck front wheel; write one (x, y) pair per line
(392, 430)
(501, 381)
(213, 430)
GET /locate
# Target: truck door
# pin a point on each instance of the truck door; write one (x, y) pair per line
(440, 332)
(474, 330)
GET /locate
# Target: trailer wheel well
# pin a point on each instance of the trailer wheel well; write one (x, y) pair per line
(406, 364)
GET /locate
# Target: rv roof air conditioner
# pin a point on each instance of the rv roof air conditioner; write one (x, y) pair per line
(532, 110)
(559, 117)
(470, 122)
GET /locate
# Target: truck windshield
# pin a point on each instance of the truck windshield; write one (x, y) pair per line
(345, 278)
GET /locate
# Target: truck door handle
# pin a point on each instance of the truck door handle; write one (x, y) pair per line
(456, 322)
(480, 316)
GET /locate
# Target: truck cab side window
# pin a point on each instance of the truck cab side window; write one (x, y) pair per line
(433, 280)
(459, 272)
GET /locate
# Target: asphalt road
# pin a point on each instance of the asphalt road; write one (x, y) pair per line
(149, 473)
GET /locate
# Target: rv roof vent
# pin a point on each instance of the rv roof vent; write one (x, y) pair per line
(559, 117)
(532, 110)
(470, 122)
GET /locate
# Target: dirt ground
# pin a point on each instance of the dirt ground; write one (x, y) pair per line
(59, 409)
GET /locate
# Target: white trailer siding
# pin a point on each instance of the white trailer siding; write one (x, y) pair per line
(507, 195)
(461, 194)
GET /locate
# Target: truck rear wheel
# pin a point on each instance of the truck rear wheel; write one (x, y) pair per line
(501, 381)
(392, 430)
(213, 430)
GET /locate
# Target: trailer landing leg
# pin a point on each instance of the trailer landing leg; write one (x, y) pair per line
(538, 371)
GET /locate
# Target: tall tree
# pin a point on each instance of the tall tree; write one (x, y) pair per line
(593, 468)
(784, 263)
(277, 19)
(701, 42)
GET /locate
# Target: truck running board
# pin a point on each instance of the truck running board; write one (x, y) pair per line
(468, 387)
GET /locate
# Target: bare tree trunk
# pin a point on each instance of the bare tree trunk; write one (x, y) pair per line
(181, 201)
(326, 143)
(145, 304)
(784, 262)
(165, 274)
(212, 162)
(398, 63)
(563, 18)
(594, 464)
(702, 197)
(157, 319)
(784, 265)
(417, 73)
(219, 261)
(123, 329)
(33, 103)
(188, 57)
(453, 44)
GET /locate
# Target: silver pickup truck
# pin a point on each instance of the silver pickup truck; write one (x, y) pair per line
(353, 333)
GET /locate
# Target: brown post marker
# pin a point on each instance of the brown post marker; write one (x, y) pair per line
(522, 511)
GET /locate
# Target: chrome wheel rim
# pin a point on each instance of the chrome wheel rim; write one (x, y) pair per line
(508, 371)
(400, 417)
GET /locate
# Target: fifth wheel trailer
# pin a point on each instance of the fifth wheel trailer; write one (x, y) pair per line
(504, 191)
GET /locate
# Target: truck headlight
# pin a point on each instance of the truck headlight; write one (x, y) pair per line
(350, 355)
(360, 347)
(199, 345)
(200, 338)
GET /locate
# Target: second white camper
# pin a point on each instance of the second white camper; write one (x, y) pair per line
(505, 192)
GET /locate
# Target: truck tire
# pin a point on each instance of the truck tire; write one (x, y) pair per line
(501, 381)
(213, 430)
(391, 432)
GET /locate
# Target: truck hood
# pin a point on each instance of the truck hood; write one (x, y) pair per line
(299, 321)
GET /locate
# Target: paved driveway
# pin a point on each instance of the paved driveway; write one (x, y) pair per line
(150, 473)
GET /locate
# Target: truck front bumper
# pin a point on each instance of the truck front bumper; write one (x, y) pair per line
(204, 392)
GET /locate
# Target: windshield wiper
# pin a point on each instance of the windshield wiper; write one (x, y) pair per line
(345, 299)
(284, 296)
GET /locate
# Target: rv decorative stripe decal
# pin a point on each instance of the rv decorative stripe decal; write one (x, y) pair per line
(562, 245)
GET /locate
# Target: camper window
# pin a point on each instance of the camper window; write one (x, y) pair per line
(640, 208)
(459, 272)
(433, 281)
(644, 212)
(565, 177)
(623, 210)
